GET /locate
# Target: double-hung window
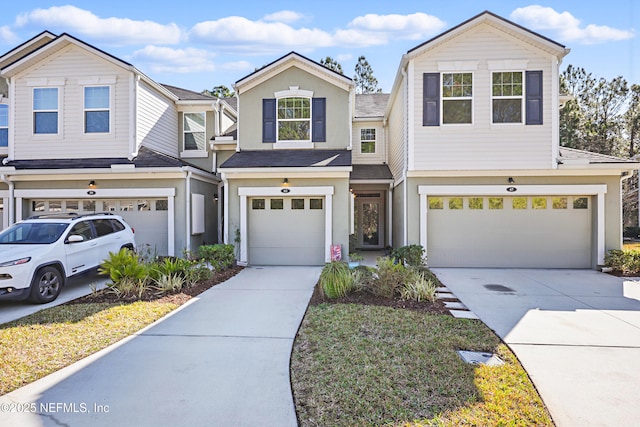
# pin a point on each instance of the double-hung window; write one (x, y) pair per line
(4, 125)
(294, 119)
(194, 131)
(367, 141)
(45, 110)
(507, 96)
(97, 109)
(457, 98)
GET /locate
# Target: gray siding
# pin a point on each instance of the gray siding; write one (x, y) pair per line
(397, 135)
(380, 156)
(157, 121)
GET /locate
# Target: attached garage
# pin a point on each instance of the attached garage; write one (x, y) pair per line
(286, 230)
(534, 230)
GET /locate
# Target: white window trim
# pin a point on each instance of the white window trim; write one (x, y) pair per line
(521, 97)
(85, 109)
(374, 140)
(57, 135)
(193, 153)
(245, 192)
(472, 98)
(598, 190)
(301, 143)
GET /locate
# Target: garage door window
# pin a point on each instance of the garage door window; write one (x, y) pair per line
(559, 203)
(580, 203)
(277, 204)
(257, 204)
(297, 203)
(496, 203)
(455, 203)
(162, 205)
(315, 204)
(436, 203)
(539, 203)
(89, 205)
(519, 203)
(476, 203)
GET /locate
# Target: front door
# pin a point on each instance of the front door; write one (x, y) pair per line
(369, 222)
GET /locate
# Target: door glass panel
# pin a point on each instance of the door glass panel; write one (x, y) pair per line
(297, 203)
(455, 203)
(476, 203)
(370, 223)
(580, 203)
(519, 203)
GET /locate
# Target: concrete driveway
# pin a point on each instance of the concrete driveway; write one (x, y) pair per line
(576, 332)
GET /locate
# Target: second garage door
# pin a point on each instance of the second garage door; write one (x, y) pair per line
(286, 231)
(535, 232)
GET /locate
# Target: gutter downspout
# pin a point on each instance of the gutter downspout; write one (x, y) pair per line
(188, 209)
(5, 178)
(405, 213)
(225, 201)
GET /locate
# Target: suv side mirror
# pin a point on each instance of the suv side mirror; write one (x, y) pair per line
(75, 238)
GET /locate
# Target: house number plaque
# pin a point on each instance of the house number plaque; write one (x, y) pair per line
(511, 189)
(285, 190)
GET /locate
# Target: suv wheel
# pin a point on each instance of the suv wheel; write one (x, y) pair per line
(46, 285)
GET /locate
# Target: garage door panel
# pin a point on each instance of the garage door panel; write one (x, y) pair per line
(509, 237)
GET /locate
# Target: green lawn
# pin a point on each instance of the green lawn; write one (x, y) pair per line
(46, 341)
(360, 365)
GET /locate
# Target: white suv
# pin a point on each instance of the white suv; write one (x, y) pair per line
(38, 254)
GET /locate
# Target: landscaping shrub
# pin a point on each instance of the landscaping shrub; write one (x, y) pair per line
(411, 255)
(391, 276)
(129, 287)
(626, 261)
(169, 283)
(170, 266)
(418, 287)
(124, 265)
(336, 279)
(219, 256)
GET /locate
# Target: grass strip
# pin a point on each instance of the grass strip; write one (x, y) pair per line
(44, 342)
(358, 365)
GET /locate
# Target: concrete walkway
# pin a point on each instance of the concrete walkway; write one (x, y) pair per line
(576, 332)
(221, 360)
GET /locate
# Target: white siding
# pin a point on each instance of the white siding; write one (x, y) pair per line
(397, 134)
(157, 126)
(483, 145)
(381, 147)
(74, 67)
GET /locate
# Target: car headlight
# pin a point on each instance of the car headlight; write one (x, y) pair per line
(16, 262)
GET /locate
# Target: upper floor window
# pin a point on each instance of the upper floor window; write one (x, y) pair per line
(457, 97)
(294, 119)
(194, 131)
(4, 125)
(97, 102)
(367, 141)
(507, 96)
(45, 110)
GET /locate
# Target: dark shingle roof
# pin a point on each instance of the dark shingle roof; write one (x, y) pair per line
(288, 158)
(187, 95)
(573, 154)
(146, 159)
(233, 102)
(366, 172)
(371, 104)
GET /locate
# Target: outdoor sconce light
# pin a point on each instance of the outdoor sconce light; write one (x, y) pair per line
(215, 197)
(285, 181)
(511, 180)
(92, 184)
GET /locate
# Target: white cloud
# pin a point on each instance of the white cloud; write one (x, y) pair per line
(113, 30)
(344, 57)
(7, 36)
(236, 66)
(169, 60)
(567, 27)
(415, 26)
(286, 16)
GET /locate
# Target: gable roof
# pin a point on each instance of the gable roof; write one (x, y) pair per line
(289, 60)
(371, 104)
(26, 47)
(188, 95)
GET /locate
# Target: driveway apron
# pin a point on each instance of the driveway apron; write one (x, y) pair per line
(576, 332)
(222, 360)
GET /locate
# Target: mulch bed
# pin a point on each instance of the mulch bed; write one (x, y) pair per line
(367, 298)
(179, 298)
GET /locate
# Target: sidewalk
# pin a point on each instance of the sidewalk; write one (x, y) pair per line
(221, 360)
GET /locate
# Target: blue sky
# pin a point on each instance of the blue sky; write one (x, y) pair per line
(200, 44)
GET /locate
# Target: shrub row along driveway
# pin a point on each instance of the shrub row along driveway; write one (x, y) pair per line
(576, 332)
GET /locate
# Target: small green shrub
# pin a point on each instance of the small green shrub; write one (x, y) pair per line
(412, 255)
(626, 261)
(418, 287)
(197, 273)
(336, 279)
(220, 256)
(124, 265)
(170, 266)
(391, 276)
(129, 287)
(355, 257)
(168, 284)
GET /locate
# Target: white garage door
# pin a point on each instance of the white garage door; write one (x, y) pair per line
(540, 231)
(148, 217)
(286, 231)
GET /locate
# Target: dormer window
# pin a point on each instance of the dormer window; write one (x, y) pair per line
(45, 110)
(507, 97)
(294, 119)
(4, 125)
(194, 131)
(97, 109)
(457, 98)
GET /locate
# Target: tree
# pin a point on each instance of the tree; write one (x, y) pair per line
(364, 79)
(592, 120)
(332, 64)
(632, 119)
(219, 92)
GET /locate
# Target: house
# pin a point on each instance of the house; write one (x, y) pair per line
(83, 131)
(462, 157)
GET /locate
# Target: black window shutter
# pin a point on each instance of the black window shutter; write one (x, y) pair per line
(431, 99)
(534, 98)
(269, 120)
(318, 119)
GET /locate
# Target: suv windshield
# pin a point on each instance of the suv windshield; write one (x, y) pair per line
(33, 233)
